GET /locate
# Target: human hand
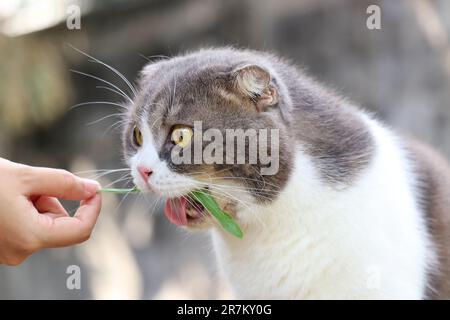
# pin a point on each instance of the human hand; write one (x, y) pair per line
(31, 216)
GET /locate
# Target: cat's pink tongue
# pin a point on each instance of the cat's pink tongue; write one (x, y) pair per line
(175, 211)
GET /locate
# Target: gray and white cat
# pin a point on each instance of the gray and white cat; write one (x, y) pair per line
(354, 211)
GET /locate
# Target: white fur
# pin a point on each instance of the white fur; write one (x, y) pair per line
(315, 242)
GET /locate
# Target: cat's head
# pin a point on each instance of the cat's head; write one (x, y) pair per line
(235, 94)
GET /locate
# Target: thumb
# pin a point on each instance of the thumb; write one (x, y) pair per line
(56, 183)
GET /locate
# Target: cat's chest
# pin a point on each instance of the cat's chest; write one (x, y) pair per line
(316, 242)
(285, 264)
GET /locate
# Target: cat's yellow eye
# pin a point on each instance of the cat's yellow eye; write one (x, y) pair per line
(137, 137)
(182, 135)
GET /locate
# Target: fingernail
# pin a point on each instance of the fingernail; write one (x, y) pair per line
(90, 187)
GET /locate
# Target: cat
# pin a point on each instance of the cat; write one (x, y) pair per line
(354, 211)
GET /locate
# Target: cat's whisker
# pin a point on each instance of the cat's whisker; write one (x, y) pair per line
(259, 174)
(93, 59)
(154, 57)
(102, 174)
(124, 177)
(246, 206)
(119, 122)
(154, 204)
(248, 179)
(107, 171)
(104, 81)
(97, 103)
(210, 177)
(112, 90)
(234, 187)
(229, 196)
(127, 82)
(261, 193)
(244, 188)
(115, 125)
(121, 202)
(205, 173)
(154, 123)
(171, 93)
(102, 170)
(191, 202)
(156, 119)
(104, 118)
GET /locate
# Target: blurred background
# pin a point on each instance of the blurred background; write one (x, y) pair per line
(401, 72)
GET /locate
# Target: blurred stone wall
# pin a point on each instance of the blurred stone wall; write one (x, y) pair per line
(401, 73)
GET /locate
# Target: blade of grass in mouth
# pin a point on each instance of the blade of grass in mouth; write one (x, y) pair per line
(202, 196)
(225, 220)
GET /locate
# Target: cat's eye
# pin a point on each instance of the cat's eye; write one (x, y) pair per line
(137, 137)
(182, 135)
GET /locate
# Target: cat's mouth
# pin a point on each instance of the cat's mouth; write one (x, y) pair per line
(182, 211)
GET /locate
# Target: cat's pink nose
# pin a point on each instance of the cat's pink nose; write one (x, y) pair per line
(145, 172)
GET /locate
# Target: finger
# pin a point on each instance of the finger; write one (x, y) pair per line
(54, 215)
(67, 231)
(56, 183)
(15, 258)
(46, 204)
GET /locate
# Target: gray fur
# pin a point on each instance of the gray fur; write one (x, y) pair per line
(433, 174)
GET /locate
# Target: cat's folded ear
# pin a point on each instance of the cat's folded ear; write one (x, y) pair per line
(255, 83)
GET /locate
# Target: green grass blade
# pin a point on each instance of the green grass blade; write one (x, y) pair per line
(114, 190)
(202, 196)
(225, 220)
